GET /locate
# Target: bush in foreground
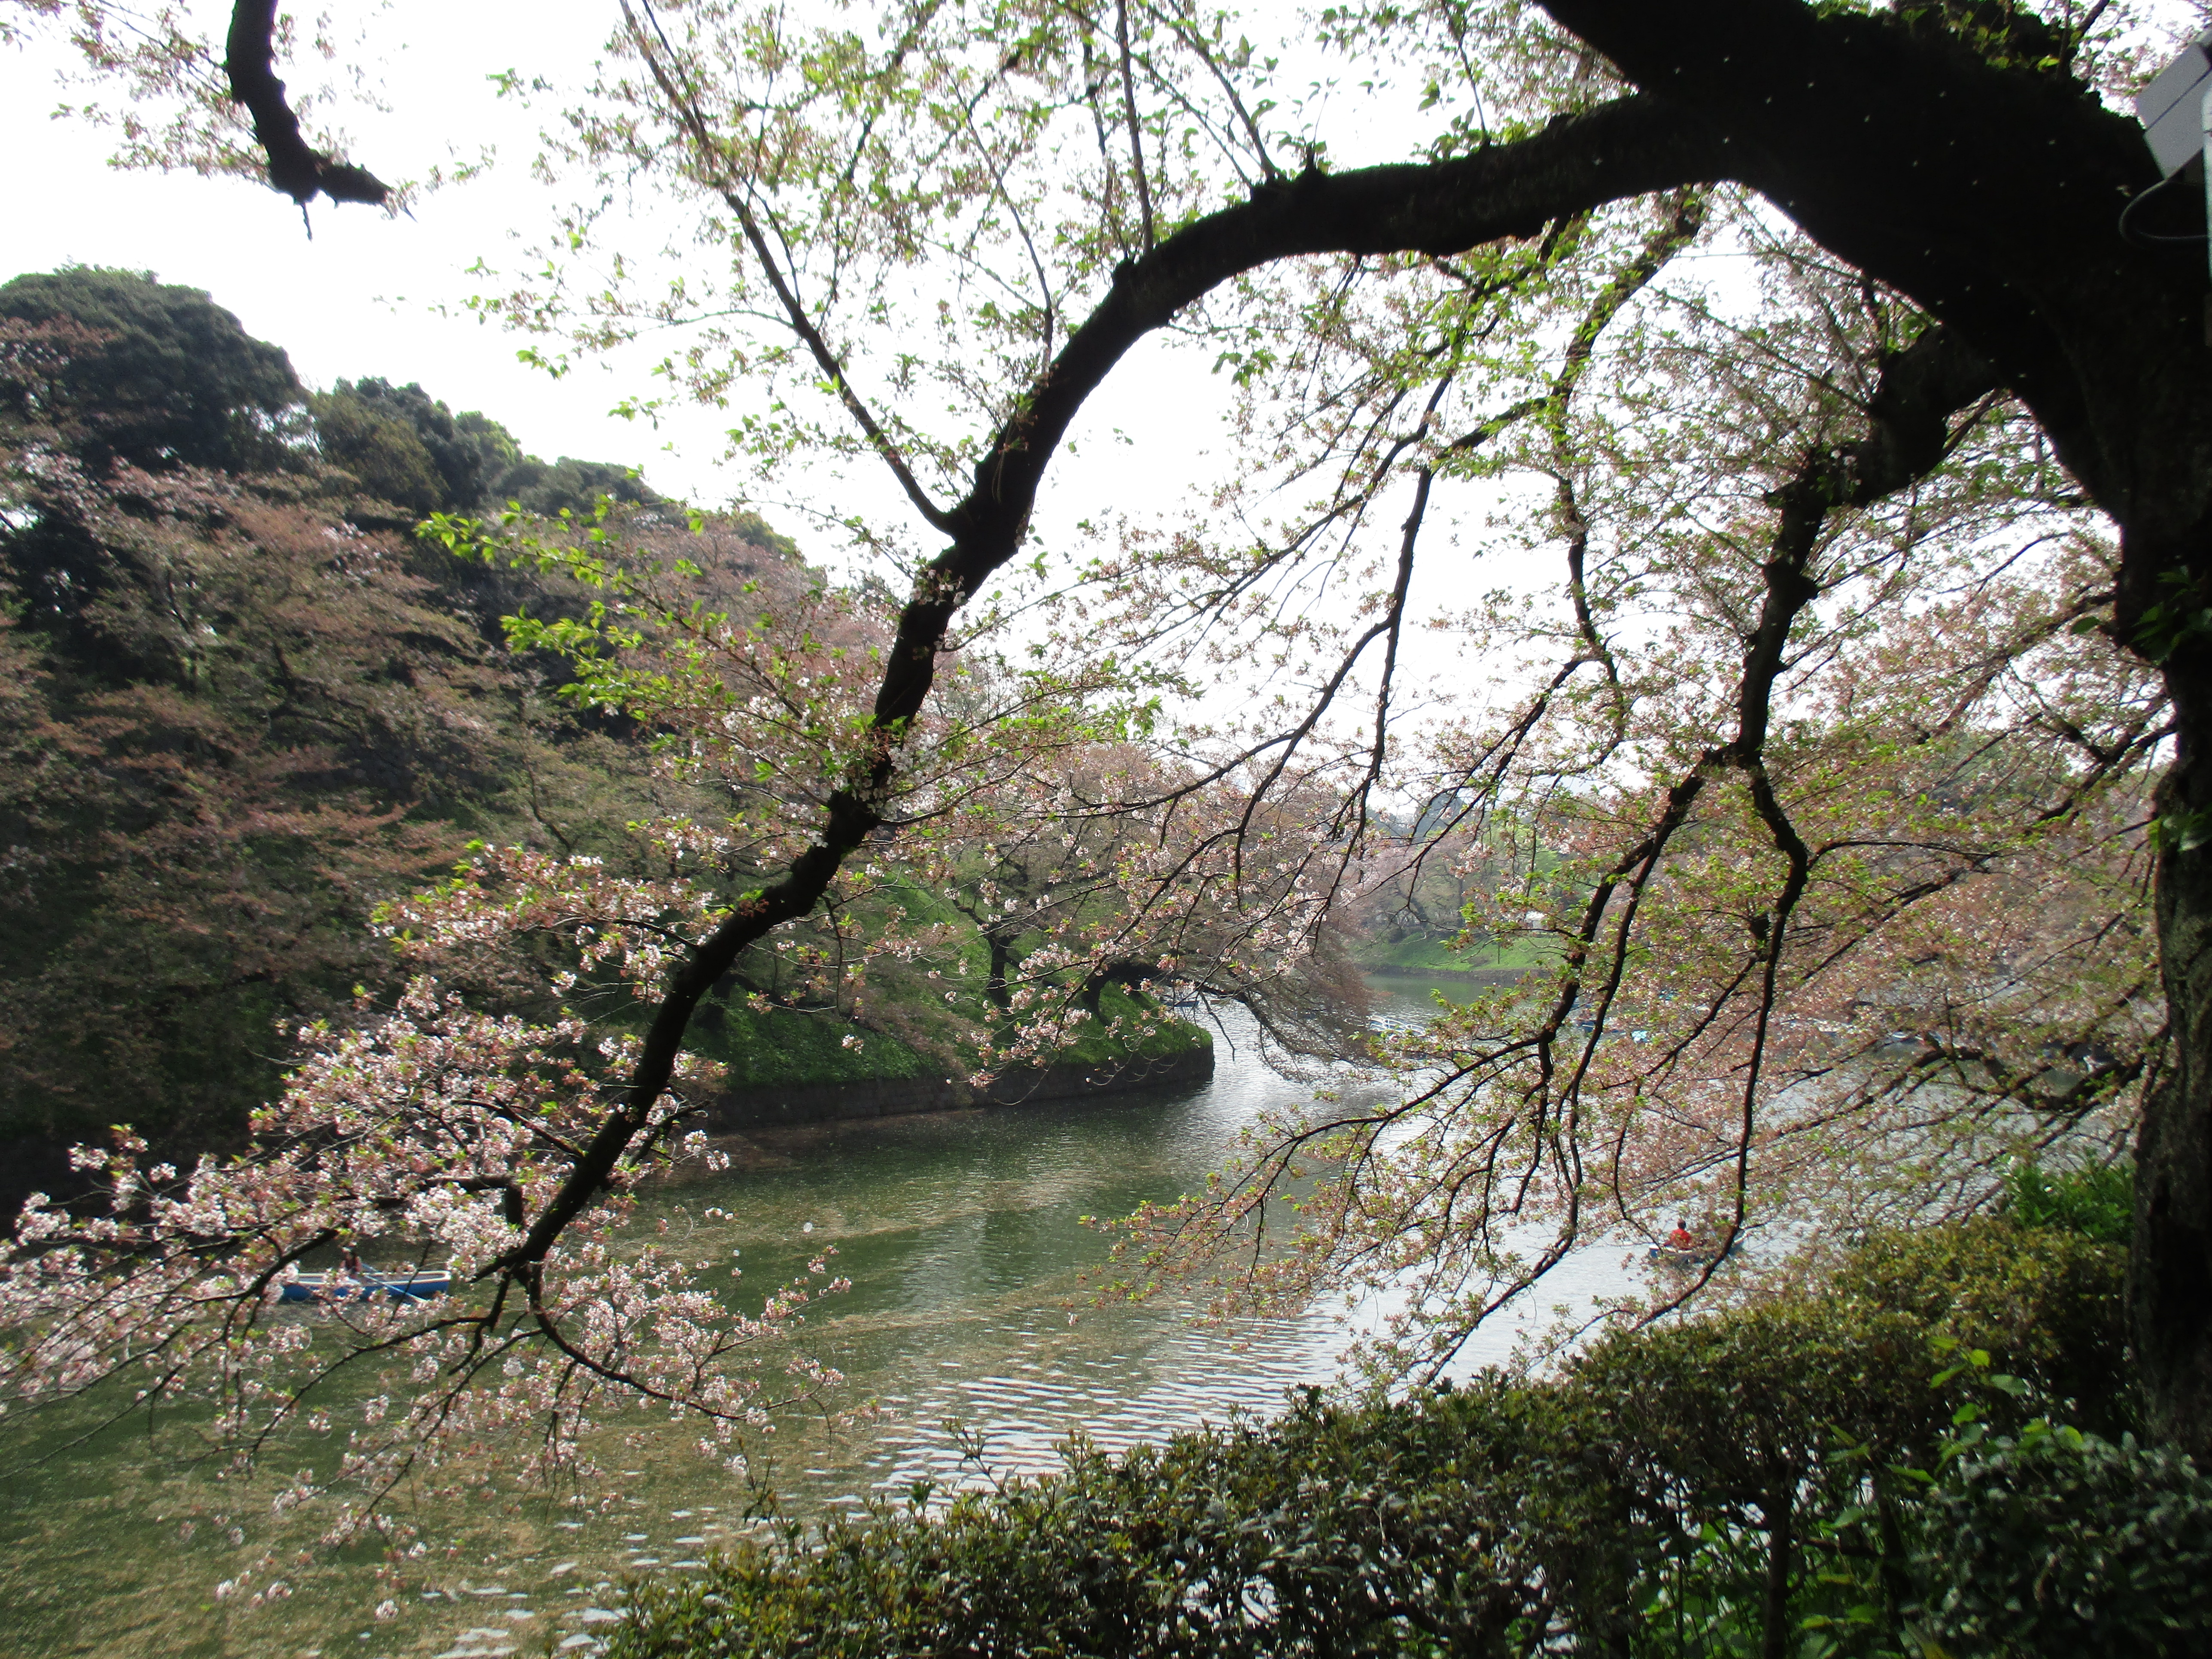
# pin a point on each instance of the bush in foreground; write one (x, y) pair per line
(1831, 1474)
(2059, 1543)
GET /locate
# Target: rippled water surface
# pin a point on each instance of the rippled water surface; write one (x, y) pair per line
(962, 1234)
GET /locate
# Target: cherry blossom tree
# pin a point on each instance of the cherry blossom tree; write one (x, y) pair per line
(1913, 420)
(1866, 698)
(436, 1133)
(228, 698)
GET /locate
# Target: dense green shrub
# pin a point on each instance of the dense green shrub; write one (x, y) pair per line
(1782, 1479)
(2050, 1305)
(2098, 1202)
(1753, 1445)
(1449, 1525)
(2059, 1543)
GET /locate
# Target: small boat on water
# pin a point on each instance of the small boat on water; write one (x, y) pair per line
(360, 1287)
(1668, 1256)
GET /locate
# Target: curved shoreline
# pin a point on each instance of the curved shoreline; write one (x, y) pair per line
(823, 1102)
(1493, 976)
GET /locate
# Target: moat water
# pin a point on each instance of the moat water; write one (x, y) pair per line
(963, 1236)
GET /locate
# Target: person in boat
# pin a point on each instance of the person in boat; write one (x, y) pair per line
(1681, 1238)
(349, 1262)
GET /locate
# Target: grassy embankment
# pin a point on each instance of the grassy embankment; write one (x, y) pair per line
(1420, 954)
(913, 1029)
(788, 1048)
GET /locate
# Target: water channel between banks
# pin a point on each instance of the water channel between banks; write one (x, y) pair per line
(962, 1234)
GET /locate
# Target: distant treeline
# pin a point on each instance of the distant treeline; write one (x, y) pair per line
(243, 704)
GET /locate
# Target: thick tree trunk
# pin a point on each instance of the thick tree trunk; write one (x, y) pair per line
(2170, 1272)
(1002, 961)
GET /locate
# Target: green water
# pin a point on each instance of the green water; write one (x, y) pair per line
(962, 1237)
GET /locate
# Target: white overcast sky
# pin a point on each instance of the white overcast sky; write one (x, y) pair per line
(371, 295)
(364, 296)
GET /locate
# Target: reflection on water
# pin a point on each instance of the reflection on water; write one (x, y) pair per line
(962, 1234)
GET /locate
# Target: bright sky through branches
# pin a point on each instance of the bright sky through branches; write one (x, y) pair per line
(373, 296)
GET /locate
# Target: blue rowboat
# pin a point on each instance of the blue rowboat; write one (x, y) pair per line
(350, 1287)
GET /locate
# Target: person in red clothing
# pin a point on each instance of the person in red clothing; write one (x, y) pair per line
(1681, 1238)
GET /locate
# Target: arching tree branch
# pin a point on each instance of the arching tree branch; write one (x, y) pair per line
(301, 170)
(1630, 147)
